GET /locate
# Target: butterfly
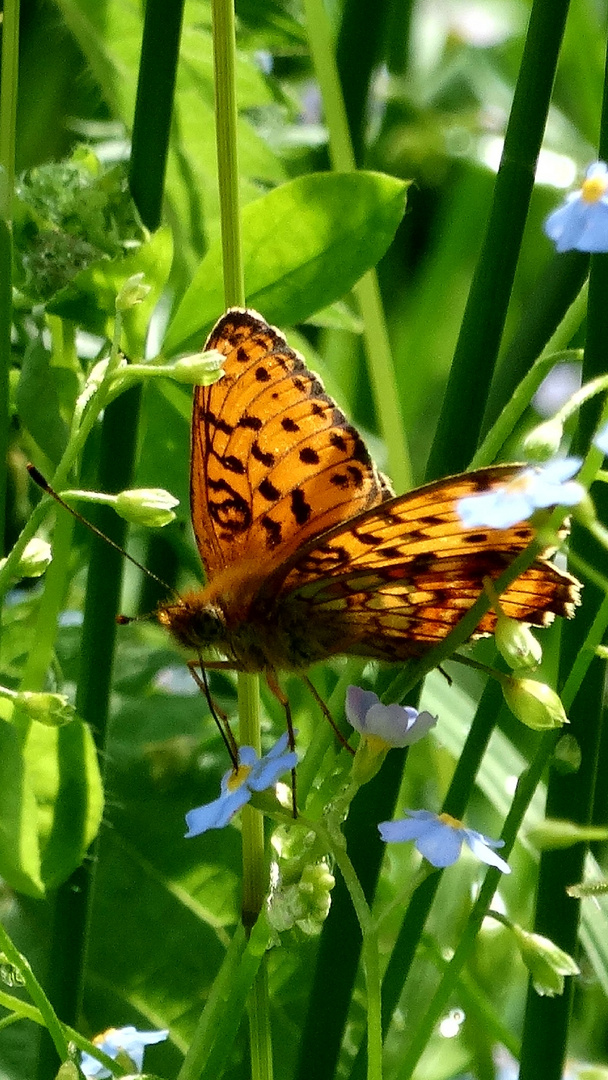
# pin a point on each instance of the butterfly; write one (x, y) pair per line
(306, 550)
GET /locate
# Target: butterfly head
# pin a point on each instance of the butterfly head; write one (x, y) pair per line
(194, 621)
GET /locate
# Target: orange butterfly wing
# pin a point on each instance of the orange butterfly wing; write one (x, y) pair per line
(306, 552)
(398, 578)
(274, 461)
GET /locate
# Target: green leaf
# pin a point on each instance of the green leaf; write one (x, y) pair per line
(305, 244)
(19, 854)
(89, 299)
(64, 774)
(38, 402)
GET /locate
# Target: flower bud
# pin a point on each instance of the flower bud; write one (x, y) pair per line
(534, 703)
(133, 291)
(52, 710)
(516, 643)
(302, 903)
(552, 833)
(146, 506)
(546, 962)
(68, 1071)
(544, 440)
(200, 369)
(36, 556)
(567, 755)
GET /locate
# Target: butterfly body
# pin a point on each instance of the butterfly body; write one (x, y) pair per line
(306, 550)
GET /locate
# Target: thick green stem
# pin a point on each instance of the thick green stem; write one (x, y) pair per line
(377, 345)
(486, 310)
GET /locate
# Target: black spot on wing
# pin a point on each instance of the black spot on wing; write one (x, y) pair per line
(300, 509)
(252, 422)
(233, 464)
(273, 531)
(268, 491)
(231, 513)
(308, 456)
(264, 458)
(338, 441)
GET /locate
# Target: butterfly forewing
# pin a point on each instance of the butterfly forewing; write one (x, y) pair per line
(274, 461)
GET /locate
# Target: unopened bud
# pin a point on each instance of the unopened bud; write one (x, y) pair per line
(52, 710)
(146, 506)
(567, 755)
(133, 291)
(36, 556)
(516, 643)
(552, 833)
(546, 962)
(545, 440)
(534, 703)
(200, 369)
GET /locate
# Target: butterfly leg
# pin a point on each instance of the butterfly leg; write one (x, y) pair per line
(281, 697)
(218, 715)
(327, 714)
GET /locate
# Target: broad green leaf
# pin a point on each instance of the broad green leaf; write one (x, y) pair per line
(19, 854)
(63, 772)
(109, 35)
(38, 402)
(89, 300)
(305, 244)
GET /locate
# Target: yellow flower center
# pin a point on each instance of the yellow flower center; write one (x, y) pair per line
(99, 1039)
(593, 188)
(238, 777)
(453, 822)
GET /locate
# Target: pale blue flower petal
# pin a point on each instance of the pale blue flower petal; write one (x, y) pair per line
(258, 775)
(441, 846)
(358, 703)
(92, 1068)
(495, 510)
(560, 469)
(216, 814)
(440, 841)
(530, 490)
(481, 846)
(115, 1040)
(601, 439)
(581, 224)
(396, 725)
(269, 769)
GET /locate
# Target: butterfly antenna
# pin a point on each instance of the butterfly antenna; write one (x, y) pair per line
(220, 718)
(39, 479)
(326, 713)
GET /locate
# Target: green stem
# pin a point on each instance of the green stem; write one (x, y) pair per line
(377, 345)
(55, 585)
(36, 993)
(486, 310)
(371, 964)
(154, 107)
(224, 59)
(527, 785)
(254, 870)
(9, 67)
